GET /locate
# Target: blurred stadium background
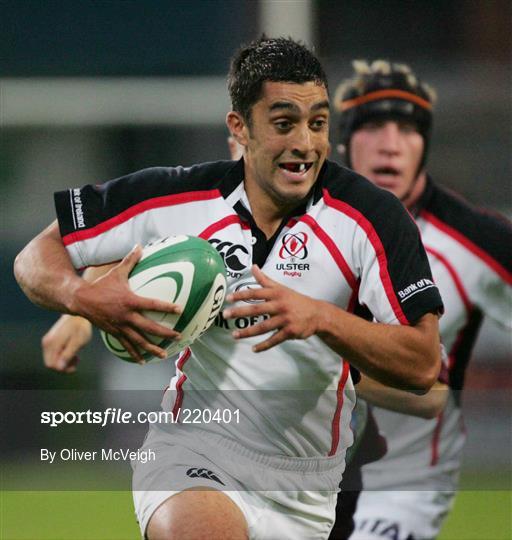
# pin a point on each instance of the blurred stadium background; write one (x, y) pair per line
(91, 90)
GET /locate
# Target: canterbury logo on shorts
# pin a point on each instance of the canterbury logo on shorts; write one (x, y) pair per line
(204, 473)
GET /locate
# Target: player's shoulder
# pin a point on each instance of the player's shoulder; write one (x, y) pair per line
(474, 227)
(199, 177)
(454, 210)
(344, 188)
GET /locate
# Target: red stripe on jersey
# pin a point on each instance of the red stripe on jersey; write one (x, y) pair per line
(139, 208)
(458, 282)
(354, 214)
(342, 382)
(223, 223)
(179, 385)
(336, 420)
(444, 375)
(465, 300)
(435, 440)
(467, 243)
(332, 249)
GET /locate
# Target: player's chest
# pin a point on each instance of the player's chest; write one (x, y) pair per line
(454, 273)
(312, 262)
(454, 286)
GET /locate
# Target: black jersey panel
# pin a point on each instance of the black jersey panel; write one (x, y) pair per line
(462, 352)
(404, 264)
(108, 200)
(490, 232)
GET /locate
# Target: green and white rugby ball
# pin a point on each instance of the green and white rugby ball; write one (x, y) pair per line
(183, 270)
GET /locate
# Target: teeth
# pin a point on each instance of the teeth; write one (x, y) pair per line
(295, 167)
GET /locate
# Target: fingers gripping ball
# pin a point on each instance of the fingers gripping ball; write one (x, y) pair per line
(183, 270)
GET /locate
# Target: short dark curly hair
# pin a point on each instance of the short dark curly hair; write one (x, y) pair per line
(274, 60)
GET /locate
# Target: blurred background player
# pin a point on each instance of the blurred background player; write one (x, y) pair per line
(385, 129)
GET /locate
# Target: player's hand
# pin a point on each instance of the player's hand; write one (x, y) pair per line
(292, 315)
(63, 341)
(109, 304)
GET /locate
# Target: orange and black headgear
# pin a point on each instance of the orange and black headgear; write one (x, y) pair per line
(383, 90)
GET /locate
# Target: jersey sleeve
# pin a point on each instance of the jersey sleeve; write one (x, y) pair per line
(396, 281)
(100, 224)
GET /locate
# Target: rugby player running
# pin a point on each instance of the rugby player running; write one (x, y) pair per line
(284, 185)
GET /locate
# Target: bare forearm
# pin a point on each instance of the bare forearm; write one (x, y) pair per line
(426, 406)
(45, 273)
(404, 357)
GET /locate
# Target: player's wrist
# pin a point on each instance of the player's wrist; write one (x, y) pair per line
(325, 327)
(78, 291)
(79, 323)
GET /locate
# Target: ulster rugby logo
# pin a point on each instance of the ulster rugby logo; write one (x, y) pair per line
(293, 249)
(294, 245)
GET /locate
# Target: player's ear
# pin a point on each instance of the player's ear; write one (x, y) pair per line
(236, 151)
(237, 127)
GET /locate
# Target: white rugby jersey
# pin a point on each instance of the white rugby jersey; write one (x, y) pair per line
(349, 243)
(470, 257)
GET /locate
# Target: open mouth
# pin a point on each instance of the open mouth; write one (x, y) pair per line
(298, 168)
(386, 171)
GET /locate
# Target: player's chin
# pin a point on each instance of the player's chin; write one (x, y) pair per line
(293, 196)
(399, 192)
(296, 191)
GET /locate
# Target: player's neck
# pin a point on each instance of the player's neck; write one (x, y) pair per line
(411, 198)
(266, 212)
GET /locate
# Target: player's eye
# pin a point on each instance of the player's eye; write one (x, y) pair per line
(407, 127)
(283, 125)
(372, 125)
(318, 124)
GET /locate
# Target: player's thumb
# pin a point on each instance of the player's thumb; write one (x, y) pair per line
(131, 259)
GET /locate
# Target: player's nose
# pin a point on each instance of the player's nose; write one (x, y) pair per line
(302, 141)
(389, 138)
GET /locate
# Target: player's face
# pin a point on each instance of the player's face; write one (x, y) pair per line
(388, 153)
(287, 140)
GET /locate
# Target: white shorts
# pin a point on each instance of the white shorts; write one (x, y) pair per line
(279, 515)
(401, 515)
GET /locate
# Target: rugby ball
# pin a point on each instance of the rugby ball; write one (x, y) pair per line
(183, 270)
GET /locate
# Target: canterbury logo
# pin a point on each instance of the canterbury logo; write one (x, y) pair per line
(235, 256)
(204, 473)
